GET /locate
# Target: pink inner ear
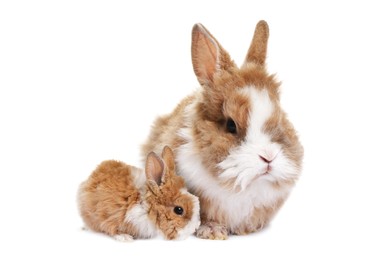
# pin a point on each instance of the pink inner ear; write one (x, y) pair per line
(154, 168)
(204, 55)
(210, 61)
(168, 158)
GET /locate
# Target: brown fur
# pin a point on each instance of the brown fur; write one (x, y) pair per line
(102, 209)
(219, 100)
(110, 192)
(163, 128)
(258, 49)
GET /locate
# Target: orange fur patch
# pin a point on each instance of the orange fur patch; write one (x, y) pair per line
(106, 196)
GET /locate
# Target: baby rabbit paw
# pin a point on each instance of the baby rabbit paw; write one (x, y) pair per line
(212, 230)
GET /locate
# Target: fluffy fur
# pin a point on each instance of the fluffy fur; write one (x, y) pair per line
(241, 178)
(125, 202)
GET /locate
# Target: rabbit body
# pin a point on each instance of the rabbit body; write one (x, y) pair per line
(233, 143)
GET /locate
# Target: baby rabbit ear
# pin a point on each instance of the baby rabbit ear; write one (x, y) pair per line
(208, 56)
(258, 50)
(169, 158)
(154, 168)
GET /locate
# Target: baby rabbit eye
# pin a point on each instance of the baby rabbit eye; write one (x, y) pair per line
(178, 210)
(231, 126)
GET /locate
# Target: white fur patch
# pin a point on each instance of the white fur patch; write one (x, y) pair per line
(243, 166)
(194, 223)
(261, 110)
(237, 207)
(138, 216)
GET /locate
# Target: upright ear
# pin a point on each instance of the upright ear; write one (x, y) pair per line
(208, 57)
(169, 158)
(258, 50)
(154, 168)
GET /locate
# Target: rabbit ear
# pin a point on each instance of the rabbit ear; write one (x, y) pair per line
(258, 50)
(208, 56)
(169, 158)
(154, 168)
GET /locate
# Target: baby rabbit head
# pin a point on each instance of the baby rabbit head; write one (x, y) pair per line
(172, 208)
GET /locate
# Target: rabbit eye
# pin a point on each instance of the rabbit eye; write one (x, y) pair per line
(178, 210)
(231, 126)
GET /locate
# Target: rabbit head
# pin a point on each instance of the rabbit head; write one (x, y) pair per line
(241, 132)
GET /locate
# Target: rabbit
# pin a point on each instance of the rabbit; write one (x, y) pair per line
(233, 142)
(127, 203)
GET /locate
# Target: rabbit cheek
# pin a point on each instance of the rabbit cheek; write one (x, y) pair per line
(191, 219)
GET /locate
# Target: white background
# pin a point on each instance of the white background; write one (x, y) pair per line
(82, 81)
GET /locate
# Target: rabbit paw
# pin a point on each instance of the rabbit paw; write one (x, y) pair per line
(123, 238)
(212, 230)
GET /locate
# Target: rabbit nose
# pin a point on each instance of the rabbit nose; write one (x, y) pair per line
(265, 159)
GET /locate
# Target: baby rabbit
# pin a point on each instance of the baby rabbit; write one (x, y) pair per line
(125, 202)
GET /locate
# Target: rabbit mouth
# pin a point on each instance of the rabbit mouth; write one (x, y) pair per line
(265, 173)
(267, 170)
(261, 175)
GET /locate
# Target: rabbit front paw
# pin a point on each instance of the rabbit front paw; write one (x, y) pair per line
(212, 230)
(123, 238)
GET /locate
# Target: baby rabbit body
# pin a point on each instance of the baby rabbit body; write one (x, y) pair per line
(125, 202)
(233, 142)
